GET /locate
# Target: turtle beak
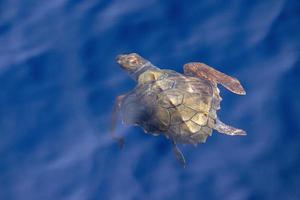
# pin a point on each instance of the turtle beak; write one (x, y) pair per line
(119, 58)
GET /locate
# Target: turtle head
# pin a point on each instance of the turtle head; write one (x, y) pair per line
(131, 62)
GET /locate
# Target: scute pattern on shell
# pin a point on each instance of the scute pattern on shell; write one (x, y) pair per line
(181, 107)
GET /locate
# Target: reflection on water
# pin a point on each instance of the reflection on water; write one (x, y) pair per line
(58, 81)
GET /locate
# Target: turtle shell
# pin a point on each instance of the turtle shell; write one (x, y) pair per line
(181, 107)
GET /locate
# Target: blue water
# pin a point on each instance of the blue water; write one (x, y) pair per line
(59, 79)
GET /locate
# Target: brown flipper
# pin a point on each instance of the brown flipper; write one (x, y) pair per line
(114, 120)
(204, 71)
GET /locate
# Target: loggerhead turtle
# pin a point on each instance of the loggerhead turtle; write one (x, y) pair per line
(181, 107)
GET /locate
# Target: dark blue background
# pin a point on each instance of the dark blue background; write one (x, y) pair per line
(59, 79)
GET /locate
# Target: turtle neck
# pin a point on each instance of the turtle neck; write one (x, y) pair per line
(147, 66)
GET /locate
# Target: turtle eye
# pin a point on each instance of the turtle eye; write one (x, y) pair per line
(133, 61)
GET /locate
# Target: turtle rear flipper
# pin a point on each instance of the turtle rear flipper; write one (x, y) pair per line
(204, 71)
(179, 155)
(228, 130)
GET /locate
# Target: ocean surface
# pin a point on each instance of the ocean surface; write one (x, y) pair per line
(59, 81)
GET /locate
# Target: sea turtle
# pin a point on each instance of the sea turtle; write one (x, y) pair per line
(182, 107)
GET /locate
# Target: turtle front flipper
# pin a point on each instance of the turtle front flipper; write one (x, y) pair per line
(179, 155)
(228, 130)
(114, 121)
(204, 71)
